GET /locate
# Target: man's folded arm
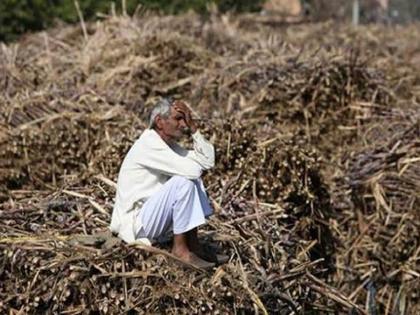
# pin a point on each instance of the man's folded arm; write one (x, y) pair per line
(168, 162)
(203, 151)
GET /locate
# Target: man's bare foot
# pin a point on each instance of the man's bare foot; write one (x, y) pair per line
(193, 259)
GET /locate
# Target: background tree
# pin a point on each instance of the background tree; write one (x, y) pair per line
(21, 16)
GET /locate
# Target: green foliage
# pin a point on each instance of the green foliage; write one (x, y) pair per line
(203, 6)
(239, 6)
(15, 17)
(21, 16)
(176, 6)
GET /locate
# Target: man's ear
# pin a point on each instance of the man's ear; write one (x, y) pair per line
(158, 122)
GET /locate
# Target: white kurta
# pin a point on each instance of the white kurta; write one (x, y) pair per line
(147, 166)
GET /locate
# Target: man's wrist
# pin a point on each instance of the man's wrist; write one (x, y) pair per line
(193, 126)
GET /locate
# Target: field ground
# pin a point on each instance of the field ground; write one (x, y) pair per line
(316, 187)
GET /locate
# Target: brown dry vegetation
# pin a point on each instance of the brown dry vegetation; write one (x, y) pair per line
(317, 183)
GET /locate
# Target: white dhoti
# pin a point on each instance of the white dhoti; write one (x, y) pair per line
(179, 206)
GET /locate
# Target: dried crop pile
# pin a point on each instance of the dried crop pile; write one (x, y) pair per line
(76, 143)
(316, 184)
(250, 171)
(262, 245)
(124, 279)
(384, 181)
(319, 97)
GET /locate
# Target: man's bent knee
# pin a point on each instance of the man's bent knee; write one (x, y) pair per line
(182, 181)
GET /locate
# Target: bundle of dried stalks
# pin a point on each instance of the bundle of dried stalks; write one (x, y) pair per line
(75, 143)
(273, 238)
(283, 107)
(381, 247)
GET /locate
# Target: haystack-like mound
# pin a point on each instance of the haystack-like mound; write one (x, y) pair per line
(383, 182)
(316, 172)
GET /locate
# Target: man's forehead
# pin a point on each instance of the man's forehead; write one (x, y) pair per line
(173, 111)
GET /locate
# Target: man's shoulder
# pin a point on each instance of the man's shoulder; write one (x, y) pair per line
(148, 140)
(149, 137)
(147, 133)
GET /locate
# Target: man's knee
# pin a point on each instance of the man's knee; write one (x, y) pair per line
(182, 182)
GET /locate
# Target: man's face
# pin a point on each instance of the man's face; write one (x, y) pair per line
(173, 127)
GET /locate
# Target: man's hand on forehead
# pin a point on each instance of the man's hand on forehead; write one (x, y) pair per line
(183, 108)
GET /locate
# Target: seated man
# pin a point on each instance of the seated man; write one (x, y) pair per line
(159, 187)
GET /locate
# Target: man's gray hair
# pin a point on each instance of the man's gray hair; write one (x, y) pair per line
(162, 109)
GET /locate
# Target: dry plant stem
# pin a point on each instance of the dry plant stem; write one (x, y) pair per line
(332, 293)
(82, 21)
(317, 164)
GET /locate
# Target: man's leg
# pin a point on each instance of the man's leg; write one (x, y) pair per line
(180, 246)
(204, 251)
(178, 206)
(192, 240)
(204, 199)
